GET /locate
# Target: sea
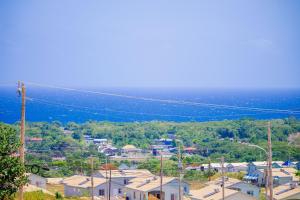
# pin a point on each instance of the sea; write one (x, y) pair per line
(118, 104)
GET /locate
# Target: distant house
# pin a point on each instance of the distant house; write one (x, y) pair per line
(288, 163)
(130, 149)
(149, 188)
(230, 168)
(101, 141)
(258, 176)
(190, 150)
(81, 186)
(297, 165)
(286, 192)
(67, 132)
(37, 180)
(57, 158)
(157, 149)
(214, 192)
(108, 150)
(34, 139)
(164, 141)
(88, 139)
(123, 166)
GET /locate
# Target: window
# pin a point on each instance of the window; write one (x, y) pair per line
(134, 196)
(125, 181)
(172, 196)
(185, 189)
(250, 193)
(120, 191)
(101, 192)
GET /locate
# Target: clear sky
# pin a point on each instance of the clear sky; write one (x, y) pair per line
(157, 43)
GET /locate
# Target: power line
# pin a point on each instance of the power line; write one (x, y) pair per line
(170, 101)
(96, 110)
(105, 109)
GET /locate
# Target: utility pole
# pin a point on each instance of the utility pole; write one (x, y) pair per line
(266, 182)
(109, 188)
(209, 168)
(22, 132)
(106, 177)
(270, 161)
(161, 178)
(180, 171)
(92, 177)
(223, 178)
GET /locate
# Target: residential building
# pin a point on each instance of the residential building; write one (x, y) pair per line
(122, 177)
(214, 192)
(100, 142)
(190, 150)
(238, 185)
(78, 185)
(280, 175)
(143, 189)
(37, 180)
(108, 150)
(286, 192)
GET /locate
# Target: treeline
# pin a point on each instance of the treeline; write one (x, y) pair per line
(212, 139)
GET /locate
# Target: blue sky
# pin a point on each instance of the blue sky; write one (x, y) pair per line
(231, 44)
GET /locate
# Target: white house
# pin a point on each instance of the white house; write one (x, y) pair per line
(280, 175)
(122, 177)
(238, 185)
(82, 186)
(287, 192)
(144, 189)
(37, 180)
(214, 192)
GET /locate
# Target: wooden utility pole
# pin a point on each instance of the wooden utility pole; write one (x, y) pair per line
(266, 182)
(22, 131)
(270, 161)
(92, 176)
(223, 178)
(180, 172)
(109, 187)
(106, 177)
(161, 178)
(209, 168)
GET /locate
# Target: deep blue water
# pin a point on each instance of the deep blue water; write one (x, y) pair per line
(65, 106)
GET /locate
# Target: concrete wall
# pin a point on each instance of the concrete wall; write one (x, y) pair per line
(77, 191)
(239, 196)
(37, 181)
(245, 188)
(283, 180)
(168, 189)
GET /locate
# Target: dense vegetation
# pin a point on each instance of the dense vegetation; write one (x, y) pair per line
(213, 139)
(11, 169)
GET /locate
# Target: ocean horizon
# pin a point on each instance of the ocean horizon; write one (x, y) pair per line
(65, 106)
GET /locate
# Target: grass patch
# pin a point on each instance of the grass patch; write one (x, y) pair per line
(53, 188)
(36, 195)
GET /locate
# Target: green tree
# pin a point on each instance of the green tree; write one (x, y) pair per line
(12, 171)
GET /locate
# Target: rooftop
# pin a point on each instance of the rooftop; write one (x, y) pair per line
(285, 191)
(128, 173)
(82, 181)
(228, 181)
(148, 184)
(211, 192)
